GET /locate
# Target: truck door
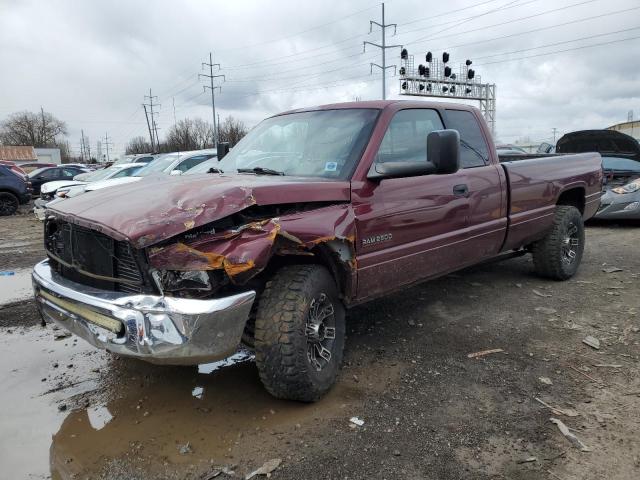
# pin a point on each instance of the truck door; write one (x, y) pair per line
(412, 228)
(486, 185)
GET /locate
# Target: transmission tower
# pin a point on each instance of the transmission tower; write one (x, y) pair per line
(151, 119)
(211, 87)
(383, 47)
(106, 144)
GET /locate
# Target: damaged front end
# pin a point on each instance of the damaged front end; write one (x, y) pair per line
(233, 251)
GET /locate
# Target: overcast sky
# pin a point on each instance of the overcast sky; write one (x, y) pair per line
(90, 63)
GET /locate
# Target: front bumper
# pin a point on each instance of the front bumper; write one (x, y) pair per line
(157, 329)
(617, 206)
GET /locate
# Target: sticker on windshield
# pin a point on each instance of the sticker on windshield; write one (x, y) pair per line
(331, 166)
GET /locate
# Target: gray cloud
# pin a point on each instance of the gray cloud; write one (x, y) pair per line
(91, 63)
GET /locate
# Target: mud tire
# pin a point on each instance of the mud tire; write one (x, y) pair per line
(8, 204)
(281, 342)
(549, 259)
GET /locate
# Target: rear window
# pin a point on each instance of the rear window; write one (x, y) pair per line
(474, 151)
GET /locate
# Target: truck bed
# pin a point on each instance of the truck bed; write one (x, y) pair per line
(536, 183)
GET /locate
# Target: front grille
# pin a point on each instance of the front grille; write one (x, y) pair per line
(93, 258)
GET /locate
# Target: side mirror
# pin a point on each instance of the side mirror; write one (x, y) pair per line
(223, 149)
(443, 150)
(176, 172)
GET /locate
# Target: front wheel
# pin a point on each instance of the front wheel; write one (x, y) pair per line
(559, 253)
(299, 333)
(8, 204)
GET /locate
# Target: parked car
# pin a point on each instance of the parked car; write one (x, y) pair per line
(15, 168)
(141, 158)
(41, 176)
(59, 189)
(508, 149)
(621, 167)
(167, 164)
(15, 190)
(317, 210)
(31, 166)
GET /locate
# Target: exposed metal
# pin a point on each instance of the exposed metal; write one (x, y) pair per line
(436, 84)
(165, 330)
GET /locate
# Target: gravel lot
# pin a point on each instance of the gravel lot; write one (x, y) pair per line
(429, 411)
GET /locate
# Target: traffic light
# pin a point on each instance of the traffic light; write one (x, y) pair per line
(447, 71)
(445, 57)
(471, 73)
(404, 54)
(402, 71)
(429, 57)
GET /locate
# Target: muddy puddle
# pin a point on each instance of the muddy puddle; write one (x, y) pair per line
(124, 415)
(15, 285)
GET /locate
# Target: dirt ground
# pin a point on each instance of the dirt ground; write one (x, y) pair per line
(429, 411)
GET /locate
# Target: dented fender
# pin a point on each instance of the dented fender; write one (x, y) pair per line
(245, 251)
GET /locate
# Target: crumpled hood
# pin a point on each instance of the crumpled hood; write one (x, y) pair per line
(161, 207)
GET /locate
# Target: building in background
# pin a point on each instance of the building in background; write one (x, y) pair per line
(48, 155)
(11, 153)
(631, 128)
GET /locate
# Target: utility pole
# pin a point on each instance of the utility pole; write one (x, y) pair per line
(211, 76)
(383, 47)
(555, 130)
(148, 125)
(83, 148)
(44, 128)
(173, 101)
(153, 128)
(106, 144)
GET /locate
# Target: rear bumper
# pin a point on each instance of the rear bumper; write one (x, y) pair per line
(163, 330)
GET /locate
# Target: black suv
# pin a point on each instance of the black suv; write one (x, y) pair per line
(14, 190)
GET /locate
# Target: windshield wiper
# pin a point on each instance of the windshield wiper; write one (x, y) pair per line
(260, 171)
(214, 170)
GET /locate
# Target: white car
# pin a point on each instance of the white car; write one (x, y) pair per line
(52, 190)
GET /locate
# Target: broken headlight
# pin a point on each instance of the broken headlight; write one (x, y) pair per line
(628, 188)
(173, 281)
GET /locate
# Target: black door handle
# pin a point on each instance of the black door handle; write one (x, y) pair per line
(461, 190)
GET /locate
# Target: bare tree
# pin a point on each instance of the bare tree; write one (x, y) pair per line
(188, 134)
(40, 130)
(138, 145)
(232, 130)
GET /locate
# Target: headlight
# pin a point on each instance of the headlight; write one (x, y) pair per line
(632, 206)
(628, 188)
(62, 193)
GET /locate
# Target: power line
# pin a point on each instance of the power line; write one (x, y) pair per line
(583, 47)
(508, 22)
(589, 37)
(517, 34)
(317, 27)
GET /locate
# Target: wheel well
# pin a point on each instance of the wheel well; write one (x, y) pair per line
(573, 197)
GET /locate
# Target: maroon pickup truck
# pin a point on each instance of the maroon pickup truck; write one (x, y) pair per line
(314, 211)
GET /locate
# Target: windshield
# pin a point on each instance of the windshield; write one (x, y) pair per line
(100, 174)
(324, 143)
(37, 172)
(159, 165)
(617, 163)
(204, 167)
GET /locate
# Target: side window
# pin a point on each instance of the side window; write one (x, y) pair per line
(474, 151)
(70, 173)
(125, 172)
(406, 136)
(192, 162)
(49, 174)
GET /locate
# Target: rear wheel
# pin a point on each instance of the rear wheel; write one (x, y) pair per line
(558, 255)
(8, 204)
(299, 333)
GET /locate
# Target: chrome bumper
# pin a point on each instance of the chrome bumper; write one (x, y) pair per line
(164, 330)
